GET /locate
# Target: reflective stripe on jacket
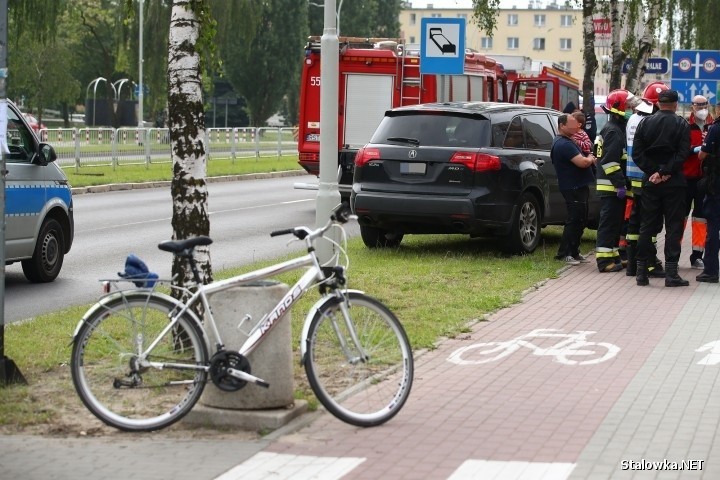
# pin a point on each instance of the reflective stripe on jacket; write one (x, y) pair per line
(612, 157)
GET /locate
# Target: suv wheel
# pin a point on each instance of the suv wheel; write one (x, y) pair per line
(378, 238)
(525, 233)
(49, 253)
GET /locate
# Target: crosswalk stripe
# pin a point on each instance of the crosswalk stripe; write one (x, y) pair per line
(278, 466)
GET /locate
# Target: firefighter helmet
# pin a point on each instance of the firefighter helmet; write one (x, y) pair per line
(618, 101)
(653, 90)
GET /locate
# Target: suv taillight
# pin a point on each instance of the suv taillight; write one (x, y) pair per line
(365, 155)
(477, 162)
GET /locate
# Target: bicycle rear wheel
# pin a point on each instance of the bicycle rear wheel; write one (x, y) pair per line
(122, 393)
(360, 388)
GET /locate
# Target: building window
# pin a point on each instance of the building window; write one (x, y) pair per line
(436, 15)
(412, 19)
(512, 19)
(513, 43)
(565, 43)
(462, 15)
(566, 20)
(412, 40)
(486, 43)
(538, 44)
(539, 20)
(567, 66)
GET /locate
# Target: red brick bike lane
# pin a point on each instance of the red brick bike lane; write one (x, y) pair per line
(533, 404)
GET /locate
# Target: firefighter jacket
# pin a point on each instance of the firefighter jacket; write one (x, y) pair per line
(661, 145)
(612, 157)
(632, 171)
(692, 167)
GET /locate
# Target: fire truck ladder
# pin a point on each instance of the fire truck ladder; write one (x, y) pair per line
(410, 79)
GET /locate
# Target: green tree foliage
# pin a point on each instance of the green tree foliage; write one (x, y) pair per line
(263, 69)
(695, 25)
(369, 18)
(35, 16)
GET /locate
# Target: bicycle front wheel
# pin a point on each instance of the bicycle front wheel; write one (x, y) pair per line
(363, 383)
(116, 385)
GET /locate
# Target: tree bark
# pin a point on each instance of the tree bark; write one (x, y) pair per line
(646, 46)
(187, 136)
(618, 55)
(589, 57)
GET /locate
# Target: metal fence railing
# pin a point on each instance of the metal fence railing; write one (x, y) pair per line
(88, 147)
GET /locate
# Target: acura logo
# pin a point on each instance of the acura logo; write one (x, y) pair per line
(412, 154)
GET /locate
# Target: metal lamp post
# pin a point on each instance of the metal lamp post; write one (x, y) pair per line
(141, 123)
(328, 196)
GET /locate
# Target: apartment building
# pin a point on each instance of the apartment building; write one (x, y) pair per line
(551, 33)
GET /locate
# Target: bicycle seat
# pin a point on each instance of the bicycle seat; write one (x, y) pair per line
(177, 246)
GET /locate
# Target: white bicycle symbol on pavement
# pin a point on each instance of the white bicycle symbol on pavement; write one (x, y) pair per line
(571, 345)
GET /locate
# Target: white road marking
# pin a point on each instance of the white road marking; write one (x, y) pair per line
(266, 465)
(494, 470)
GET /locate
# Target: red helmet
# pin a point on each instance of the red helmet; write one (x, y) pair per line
(653, 90)
(618, 101)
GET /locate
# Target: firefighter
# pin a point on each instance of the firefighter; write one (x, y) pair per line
(660, 147)
(700, 121)
(647, 107)
(611, 187)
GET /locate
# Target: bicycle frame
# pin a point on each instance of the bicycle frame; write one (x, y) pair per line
(258, 332)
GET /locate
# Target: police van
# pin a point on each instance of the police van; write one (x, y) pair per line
(39, 225)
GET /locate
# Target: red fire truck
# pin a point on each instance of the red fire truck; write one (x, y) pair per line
(377, 74)
(553, 87)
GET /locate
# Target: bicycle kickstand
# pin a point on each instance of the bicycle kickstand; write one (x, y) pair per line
(247, 377)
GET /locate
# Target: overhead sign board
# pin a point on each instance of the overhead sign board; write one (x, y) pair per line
(654, 65)
(687, 89)
(695, 65)
(442, 46)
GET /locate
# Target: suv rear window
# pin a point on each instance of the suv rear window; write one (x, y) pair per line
(434, 130)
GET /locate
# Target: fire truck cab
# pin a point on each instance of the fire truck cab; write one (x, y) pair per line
(375, 75)
(553, 87)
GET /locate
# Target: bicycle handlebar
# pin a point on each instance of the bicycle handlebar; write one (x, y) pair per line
(340, 214)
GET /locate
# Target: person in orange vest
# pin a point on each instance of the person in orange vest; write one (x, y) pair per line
(700, 121)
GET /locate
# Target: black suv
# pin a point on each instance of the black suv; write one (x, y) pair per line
(464, 167)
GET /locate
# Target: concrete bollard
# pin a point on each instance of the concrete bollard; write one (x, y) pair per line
(272, 360)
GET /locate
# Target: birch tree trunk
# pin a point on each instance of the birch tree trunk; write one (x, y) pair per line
(646, 45)
(589, 58)
(618, 56)
(187, 136)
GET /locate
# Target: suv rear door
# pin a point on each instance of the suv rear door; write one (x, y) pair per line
(424, 153)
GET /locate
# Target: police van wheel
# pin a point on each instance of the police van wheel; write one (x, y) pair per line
(49, 253)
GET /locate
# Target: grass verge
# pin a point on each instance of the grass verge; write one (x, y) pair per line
(138, 173)
(438, 286)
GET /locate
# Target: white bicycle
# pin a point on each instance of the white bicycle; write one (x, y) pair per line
(571, 345)
(141, 358)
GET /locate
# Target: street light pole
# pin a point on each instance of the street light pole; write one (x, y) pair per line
(140, 71)
(328, 196)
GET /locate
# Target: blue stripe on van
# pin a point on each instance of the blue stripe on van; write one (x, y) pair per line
(29, 199)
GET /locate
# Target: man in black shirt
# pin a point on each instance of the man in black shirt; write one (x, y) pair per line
(574, 177)
(661, 145)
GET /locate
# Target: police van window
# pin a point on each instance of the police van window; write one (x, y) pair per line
(19, 140)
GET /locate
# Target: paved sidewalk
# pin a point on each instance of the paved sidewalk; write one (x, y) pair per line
(630, 389)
